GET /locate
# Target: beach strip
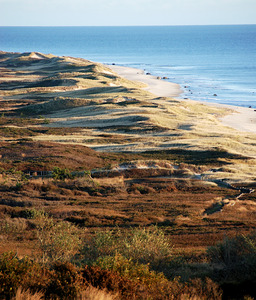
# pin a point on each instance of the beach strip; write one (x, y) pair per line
(155, 85)
(242, 118)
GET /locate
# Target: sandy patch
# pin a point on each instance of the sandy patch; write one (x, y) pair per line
(37, 55)
(243, 119)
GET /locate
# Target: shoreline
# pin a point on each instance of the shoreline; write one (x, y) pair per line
(159, 87)
(242, 119)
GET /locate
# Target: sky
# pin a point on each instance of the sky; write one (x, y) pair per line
(126, 12)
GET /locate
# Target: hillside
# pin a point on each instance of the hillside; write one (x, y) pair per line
(82, 146)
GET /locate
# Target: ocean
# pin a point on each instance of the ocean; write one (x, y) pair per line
(211, 63)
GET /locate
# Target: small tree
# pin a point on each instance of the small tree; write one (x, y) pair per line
(61, 174)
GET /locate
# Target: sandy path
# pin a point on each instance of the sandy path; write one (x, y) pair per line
(243, 119)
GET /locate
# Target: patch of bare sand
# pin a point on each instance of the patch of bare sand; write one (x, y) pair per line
(242, 119)
(37, 55)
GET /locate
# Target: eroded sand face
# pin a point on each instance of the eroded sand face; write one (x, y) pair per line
(119, 114)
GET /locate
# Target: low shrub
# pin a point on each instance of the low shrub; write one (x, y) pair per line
(29, 213)
(142, 245)
(154, 285)
(112, 281)
(65, 283)
(92, 293)
(12, 226)
(14, 272)
(236, 257)
(130, 269)
(58, 241)
(116, 276)
(201, 290)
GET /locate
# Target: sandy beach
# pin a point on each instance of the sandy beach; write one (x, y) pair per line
(159, 87)
(242, 119)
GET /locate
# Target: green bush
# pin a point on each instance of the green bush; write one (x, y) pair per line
(130, 269)
(142, 245)
(31, 213)
(147, 245)
(58, 241)
(61, 174)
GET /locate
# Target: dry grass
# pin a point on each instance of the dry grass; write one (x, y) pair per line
(27, 295)
(92, 293)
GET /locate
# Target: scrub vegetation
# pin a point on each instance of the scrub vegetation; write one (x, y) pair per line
(107, 192)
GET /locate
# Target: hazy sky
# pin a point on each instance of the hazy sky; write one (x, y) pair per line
(126, 12)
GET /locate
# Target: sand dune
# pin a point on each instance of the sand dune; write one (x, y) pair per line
(131, 113)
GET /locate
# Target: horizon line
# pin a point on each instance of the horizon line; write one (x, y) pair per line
(177, 25)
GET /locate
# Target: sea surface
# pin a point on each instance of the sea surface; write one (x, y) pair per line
(211, 63)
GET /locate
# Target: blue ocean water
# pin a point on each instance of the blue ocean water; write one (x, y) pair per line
(204, 60)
